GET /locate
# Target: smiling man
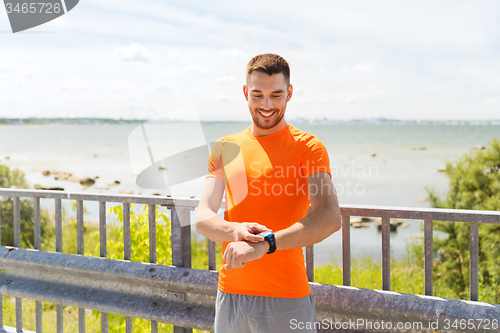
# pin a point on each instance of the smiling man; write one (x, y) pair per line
(279, 198)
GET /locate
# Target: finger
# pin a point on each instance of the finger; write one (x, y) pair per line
(234, 260)
(253, 238)
(258, 228)
(227, 267)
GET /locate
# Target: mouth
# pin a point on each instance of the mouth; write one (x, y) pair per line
(267, 115)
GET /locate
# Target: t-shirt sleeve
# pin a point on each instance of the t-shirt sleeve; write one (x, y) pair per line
(315, 158)
(215, 161)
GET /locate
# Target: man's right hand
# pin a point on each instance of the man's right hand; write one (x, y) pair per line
(248, 231)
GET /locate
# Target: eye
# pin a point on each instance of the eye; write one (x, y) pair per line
(277, 96)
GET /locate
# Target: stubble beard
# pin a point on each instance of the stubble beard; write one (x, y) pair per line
(262, 124)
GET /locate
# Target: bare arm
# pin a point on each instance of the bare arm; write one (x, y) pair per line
(215, 228)
(322, 220)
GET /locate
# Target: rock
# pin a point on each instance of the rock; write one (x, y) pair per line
(393, 224)
(95, 155)
(73, 179)
(53, 188)
(421, 200)
(127, 192)
(479, 147)
(441, 169)
(117, 182)
(156, 194)
(46, 173)
(161, 168)
(358, 225)
(7, 157)
(87, 181)
(422, 148)
(38, 187)
(373, 155)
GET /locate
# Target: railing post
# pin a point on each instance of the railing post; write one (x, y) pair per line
(127, 251)
(346, 250)
(103, 254)
(428, 257)
(37, 242)
(58, 213)
(212, 262)
(2, 329)
(474, 261)
(17, 243)
(152, 249)
(80, 249)
(310, 263)
(386, 254)
(181, 244)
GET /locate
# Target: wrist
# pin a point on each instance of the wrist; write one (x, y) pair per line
(270, 240)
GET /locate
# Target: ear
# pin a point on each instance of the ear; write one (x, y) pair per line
(245, 91)
(289, 92)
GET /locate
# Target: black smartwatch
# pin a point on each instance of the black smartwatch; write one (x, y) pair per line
(269, 237)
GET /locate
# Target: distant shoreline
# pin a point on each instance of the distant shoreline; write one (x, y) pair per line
(121, 121)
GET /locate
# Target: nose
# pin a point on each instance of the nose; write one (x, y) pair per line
(266, 103)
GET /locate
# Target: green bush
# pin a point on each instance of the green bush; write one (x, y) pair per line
(16, 179)
(474, 184)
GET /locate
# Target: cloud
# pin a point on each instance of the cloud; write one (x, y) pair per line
(362, 68)
(490, 101)
(225, 79)
(134, 52)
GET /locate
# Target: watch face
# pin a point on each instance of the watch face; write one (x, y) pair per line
(266, 233)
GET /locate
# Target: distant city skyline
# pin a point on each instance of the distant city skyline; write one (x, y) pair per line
(422, 60)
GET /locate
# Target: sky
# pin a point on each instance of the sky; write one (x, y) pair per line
(422, 60)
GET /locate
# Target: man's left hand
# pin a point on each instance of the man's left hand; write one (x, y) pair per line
(238, 253)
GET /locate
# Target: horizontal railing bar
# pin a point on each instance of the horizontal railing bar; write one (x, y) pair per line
(123, 198)
(436, 214)
(57, 278)
(413, 213)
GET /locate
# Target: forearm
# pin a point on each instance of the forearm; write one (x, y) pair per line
(312, 229)
(214, 227)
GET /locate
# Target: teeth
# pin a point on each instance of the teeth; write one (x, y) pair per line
(267, 114)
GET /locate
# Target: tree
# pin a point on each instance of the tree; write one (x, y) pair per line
(474, 184)
(16, 179)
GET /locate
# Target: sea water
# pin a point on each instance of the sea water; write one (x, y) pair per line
(372, 164)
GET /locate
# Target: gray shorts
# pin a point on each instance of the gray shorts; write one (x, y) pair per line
(258, 314)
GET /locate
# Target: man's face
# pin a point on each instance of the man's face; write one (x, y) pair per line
(267, 96)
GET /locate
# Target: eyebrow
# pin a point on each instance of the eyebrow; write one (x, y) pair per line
(274, 92)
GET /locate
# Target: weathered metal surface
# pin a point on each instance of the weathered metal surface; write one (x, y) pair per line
(428, 257)
(474, 262)
(436, 214)
(185, 297)
(125, 198)
(310, 263)
(346, 250)
(341, 304)
(386, 255)
(146, 291)
(114, 286)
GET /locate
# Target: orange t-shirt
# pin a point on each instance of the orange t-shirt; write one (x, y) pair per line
(265, 182)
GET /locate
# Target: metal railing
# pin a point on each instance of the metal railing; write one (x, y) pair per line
(185, 297)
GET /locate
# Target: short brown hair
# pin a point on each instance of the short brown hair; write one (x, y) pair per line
(270, 64)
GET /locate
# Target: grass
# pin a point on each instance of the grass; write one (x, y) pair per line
(407, 273)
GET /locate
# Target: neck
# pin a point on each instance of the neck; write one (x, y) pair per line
(257, 131)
